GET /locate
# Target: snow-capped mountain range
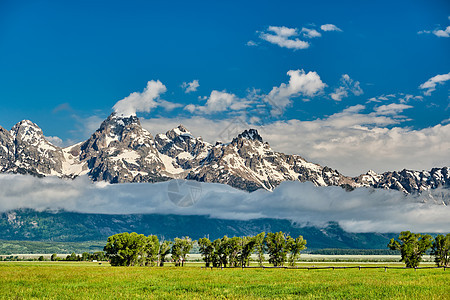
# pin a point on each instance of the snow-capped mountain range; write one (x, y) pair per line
(122, 151)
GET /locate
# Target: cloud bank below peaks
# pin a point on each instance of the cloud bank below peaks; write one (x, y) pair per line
(362, 210)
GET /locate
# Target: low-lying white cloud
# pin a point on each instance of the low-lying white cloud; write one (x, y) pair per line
(430, 85)
(362, 210)
(283, 37)
(141, 102)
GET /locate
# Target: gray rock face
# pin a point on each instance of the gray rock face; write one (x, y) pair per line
(249, 163)
(7, 150)
(122, 151)
(185, 150)
(407, 181)
(33, 154)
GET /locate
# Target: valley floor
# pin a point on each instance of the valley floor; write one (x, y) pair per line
(67, 280)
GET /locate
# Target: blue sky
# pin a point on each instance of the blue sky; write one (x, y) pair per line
(65, 64)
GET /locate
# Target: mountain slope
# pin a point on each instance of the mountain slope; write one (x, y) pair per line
(27, 224)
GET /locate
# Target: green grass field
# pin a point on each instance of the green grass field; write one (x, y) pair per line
(66, 280)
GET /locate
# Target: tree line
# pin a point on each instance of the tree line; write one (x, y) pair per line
(132, 249)
(413, 246)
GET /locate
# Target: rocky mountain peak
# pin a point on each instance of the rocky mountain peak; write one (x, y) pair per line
(27, 131)
(180, 130)
(250, 134)
(120, 120)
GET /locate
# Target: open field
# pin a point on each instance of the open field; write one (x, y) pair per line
(68, 280)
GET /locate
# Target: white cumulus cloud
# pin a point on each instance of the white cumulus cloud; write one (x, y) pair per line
(430, 85)
(330, 27)
(442, 32)
(141, 102)
(283, 37)
(310, 33)
(219, 101)
(190, 86)
(300, 83)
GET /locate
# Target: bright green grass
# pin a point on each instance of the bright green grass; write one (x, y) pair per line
(63, 280)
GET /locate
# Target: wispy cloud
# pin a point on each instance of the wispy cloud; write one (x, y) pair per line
(362, 210)
(286, 37)
(330, 27)
(219, 101)
(283, 37)
(348, 85)
(189, 87)
(310, 33)
(430, 85)
(444, 33)
(401, 97)
(62, 107)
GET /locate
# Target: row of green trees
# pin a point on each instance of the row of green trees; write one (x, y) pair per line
(132, 249)
(413, 246)
(236, 251)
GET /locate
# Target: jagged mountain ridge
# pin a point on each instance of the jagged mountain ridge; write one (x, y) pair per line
(122, 151)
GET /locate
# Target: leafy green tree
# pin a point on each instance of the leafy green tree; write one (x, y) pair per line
(223, 251)
(234, 245)
(260, 247)
(294, 247)
(277, 248)
(441, 250)
(412, 247)
(180, 249)
(164, 250)
(206, 248)
(85, 256)
(215, 256)
(54, 257)
(247, 246)
(41, 258)
(124, 249)
(152, 250)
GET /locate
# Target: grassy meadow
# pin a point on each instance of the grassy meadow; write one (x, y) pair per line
(69, 280)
